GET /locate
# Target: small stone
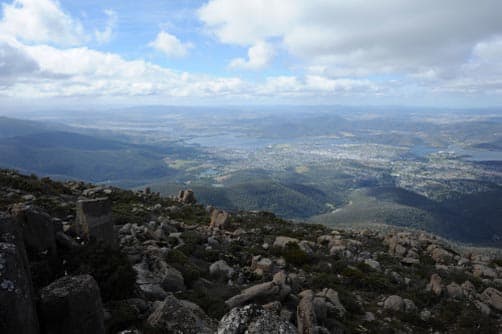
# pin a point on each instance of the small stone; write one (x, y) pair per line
(435, 285)
(485, 309)
(373, 264)
(29, 197)
(261, 263)
(425, 315)
(221, 268)
(394, 303)
(369, 317)
(281, 242)
(409, 306)
(454, 291)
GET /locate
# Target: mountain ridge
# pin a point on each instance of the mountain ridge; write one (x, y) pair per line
(136, 262)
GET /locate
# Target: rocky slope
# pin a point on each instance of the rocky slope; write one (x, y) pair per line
(76, 258)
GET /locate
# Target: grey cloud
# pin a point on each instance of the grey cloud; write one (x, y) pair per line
(363, 37)
(402, 34)
(14, 64)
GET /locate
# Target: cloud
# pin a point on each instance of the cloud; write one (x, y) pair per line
(170, 45)
(105, 35)
(40, 21)
(247, 22)
(314, 85)
(323, 84)
(360, 38)
(14, 64)
(332, 50)
(45, 71)
(259, 55)
(89, 73)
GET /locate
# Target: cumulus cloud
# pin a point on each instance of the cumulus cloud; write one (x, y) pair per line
(246, 22)
(360, 38)
(14, 64)
(104, 36)
(315, 85)
(334, 48)
(259, 55)
(85, 72)
(41, 21)
(170, 45)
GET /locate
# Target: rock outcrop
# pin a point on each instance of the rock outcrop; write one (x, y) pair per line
(244, 272)
(492, 297)
(178, 316)
(17, 308)
(394, 303)
(94, 220)
(277, 289)
(282, 241)
(72, 305)
(221, 268)
(186, 197)
(155, 277)
(219, 218)
(38, 231)
(436, 284)
(253, 319)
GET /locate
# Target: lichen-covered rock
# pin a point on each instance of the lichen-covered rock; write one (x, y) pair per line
(435, 285)
(316, 312)
(480, 270)
(155, 277)
(398, 243)
(38, 234)
(454, 291)
(71, 305)
(306, 319)
(253, 319)
(175, 316)
(186, 197)
(261, 265)
(332, 301)
(439, 254)
(17, 309)
(37, 229)
(221, 268)
(492, 297)
(307, 246)
(468, 289)
(394, 303)
(373, 264)
(281, 241)
(482, 307)
(219, 219)
(409, 305)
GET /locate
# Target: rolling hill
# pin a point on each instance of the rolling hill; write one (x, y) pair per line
(472, 218)
(36, 147)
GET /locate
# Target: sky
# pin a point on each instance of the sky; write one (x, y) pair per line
(122, 52)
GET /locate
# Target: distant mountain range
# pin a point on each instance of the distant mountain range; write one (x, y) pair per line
(36, 147)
